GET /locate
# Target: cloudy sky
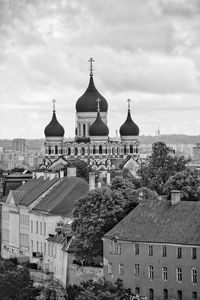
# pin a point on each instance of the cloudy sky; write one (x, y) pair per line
(148, 51)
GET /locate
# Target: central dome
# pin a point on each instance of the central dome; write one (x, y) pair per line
(98, 128)
(87, 102)
(54, 129)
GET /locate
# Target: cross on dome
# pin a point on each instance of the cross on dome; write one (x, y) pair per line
(91, 60)
(54, 104)
(98, 104)
(129, 103)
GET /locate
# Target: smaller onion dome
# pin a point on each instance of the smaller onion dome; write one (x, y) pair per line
(54, 129)
(129, 128)
(98, 127)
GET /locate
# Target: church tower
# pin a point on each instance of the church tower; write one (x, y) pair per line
(86, 108)
(54, 135)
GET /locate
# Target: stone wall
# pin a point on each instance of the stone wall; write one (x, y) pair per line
(78, 274)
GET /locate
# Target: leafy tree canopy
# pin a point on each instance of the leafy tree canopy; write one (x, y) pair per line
(15, 282)
(187, 182)
(159, 167)
(99, 212)
(100, 290)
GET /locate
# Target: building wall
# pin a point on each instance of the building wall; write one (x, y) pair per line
(10, 231)
(128, 258)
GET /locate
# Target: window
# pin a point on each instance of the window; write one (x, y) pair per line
(121, 269)
(150, 250)
(179, 274)
(44, 231)
(45, 248)
(150, 272)
(194, 295)
(194, 253)
(179, 295)
(115, 247)
(151, 294)
(137, 249)
(164, 273)
(119, 248)
(40, 227)
(111, 247)
(165, 294)
(31, 245)
(31, 226)
(137, 290)
(24, 239)
(137, 270)
(37, 246)
(178, 252)
(37, 227)
(194, 275)
(164, 251)
(109, 268)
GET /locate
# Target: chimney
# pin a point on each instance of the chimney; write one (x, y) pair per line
(108, 178)
(91, 181)
(175, 197)
(61, 175)
(71, 172)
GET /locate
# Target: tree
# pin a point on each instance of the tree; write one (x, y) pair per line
(82, 169)
(187, 182)
(159, 167)
(100, 290)
(15, 282)
(93, 217)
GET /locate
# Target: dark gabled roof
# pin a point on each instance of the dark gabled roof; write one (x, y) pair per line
(37, 189)
(160, 222)
(61, 200)
(17, 195)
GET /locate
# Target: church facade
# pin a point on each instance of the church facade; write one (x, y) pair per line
(92, 142)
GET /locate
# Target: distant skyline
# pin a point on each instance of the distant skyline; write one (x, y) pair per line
(148, 51)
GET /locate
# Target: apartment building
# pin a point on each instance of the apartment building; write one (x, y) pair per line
(155, 250)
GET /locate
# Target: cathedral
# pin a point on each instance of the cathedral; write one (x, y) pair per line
(92, 142)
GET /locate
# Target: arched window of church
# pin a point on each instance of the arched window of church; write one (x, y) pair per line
(94, 150)
(83, 151)
(76, 150)
(49, 150)
(84, 130)
(106, 150)
(56, 150)
(131, 149)
(100, 149)
(69, 151)
(124, 149)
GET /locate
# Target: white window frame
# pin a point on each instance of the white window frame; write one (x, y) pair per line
(194, 275)
(165, 273)
(179, 275)
(151, 272)
(121, 269)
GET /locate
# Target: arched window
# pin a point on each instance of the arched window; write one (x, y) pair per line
(131, 149)
(76, 150)
(84, 130)
(94, 150)
(56, 149)
(83, 151)
(49, 150)
(68, 151)
(124, 149)
(100, 149)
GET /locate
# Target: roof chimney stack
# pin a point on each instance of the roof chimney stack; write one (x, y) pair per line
(175, 197)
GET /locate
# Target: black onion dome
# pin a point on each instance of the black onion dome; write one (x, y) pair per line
(129, 128)
(98, 128)
(54, 128)
(87, 102)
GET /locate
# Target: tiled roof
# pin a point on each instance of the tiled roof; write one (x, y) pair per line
(61, 200)
(160, 222)
(17, 195)
(37, 189)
